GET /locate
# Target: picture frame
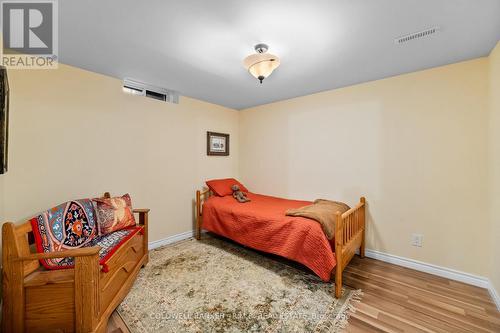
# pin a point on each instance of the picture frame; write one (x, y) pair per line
(217, 144)
(4, 119)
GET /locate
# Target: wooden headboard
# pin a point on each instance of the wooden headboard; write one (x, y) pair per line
(201, 195)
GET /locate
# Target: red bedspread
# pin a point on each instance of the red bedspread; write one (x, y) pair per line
(262, 224)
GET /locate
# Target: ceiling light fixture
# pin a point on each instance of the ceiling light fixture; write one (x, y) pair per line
(261, 64)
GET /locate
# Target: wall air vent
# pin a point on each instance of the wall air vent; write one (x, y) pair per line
(143, 89)
(416, 35)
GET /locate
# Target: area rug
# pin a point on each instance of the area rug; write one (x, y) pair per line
(214, 285)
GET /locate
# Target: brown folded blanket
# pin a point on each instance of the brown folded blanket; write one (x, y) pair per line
(322, 211)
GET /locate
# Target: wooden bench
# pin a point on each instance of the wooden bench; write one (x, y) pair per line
(80, 299)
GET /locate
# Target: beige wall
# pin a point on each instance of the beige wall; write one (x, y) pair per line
(414, 145)
(75, 134)
(495, 163)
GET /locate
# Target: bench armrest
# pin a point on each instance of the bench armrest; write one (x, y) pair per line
(143, 216)
(82, 252)
(140, 210)
(143, 220)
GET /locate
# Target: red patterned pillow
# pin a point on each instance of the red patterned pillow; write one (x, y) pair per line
(222, 187)
(68, 226)
(114, 213)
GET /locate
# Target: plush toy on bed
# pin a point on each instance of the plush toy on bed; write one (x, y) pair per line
(238, 194)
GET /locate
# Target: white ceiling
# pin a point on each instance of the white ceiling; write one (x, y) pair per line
(197, 46)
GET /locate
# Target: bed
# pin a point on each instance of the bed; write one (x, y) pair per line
(261, 224)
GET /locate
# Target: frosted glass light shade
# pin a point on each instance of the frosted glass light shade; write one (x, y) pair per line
(261, 65)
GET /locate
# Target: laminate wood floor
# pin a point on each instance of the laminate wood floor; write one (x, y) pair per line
(398, 299)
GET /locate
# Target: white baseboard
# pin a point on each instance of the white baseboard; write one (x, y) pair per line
(171, 239)
(494, 295)
(448, 273)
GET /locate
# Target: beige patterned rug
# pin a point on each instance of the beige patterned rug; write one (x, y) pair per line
(214, 285)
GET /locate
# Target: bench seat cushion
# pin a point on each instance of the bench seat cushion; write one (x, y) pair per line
(110, 243)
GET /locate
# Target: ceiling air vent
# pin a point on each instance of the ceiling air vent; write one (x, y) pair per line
(144, 89)
(416, 35)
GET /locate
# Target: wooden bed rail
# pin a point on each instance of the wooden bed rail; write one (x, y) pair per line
(349, 237)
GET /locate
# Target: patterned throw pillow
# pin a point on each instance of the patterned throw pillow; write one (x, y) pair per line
(68, 226)
(114, 213)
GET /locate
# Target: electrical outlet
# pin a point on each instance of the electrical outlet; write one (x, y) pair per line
(417, 240)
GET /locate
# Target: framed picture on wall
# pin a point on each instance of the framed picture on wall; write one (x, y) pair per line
(217, 144)
(4, 119)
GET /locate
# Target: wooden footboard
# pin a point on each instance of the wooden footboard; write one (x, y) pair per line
(349, 237)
